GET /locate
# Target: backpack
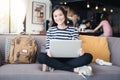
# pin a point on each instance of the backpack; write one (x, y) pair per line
(22, 50)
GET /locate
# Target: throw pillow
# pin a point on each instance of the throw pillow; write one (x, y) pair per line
(97, 46)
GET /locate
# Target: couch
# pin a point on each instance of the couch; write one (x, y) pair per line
(33, 72)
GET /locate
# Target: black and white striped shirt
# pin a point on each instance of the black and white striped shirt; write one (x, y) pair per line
(69, 33)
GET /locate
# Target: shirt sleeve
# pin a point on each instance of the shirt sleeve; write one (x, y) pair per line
(48, 40)
(75, 34)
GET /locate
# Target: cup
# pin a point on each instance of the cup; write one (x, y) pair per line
(83, 29)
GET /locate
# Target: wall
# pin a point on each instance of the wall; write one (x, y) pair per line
(36, 28)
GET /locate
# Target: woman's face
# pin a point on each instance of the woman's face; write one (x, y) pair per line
(88, 24)
(59, 17)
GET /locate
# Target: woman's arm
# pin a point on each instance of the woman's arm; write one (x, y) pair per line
(98, 27)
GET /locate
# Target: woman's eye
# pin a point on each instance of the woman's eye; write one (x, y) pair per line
(55, 16)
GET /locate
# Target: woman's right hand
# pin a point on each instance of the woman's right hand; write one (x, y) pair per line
(81, 52)
(49, 53)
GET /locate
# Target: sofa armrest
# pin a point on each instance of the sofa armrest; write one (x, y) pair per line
(1, 59)
(114, 46)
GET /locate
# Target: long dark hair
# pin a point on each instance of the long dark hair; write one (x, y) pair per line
(64, 12)
(106, 16)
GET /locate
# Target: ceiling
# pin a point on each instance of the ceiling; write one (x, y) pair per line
(93, 2)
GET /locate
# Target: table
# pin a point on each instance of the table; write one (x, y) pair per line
(97, 33)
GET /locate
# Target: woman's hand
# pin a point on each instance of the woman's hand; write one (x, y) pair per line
(49, 53)
(81, 52)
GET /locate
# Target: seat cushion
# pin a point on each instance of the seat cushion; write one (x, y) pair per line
(33, 72)
(105, 72)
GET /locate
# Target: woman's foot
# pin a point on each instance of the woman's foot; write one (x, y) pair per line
(84, 70)
(44, 67)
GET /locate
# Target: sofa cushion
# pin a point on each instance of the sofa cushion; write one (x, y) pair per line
(7, 46)
(2, 46)
(114, 45)
(97, 46)
(105, 72)
(32, 72)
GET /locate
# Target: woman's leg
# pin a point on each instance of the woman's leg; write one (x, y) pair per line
(80, 61)
(52, 62)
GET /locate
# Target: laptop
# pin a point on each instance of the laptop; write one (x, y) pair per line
(65, 48)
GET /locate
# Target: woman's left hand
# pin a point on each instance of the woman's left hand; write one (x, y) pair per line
(81, 52)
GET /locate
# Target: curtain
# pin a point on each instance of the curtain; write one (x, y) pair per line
(18, 10)
(4, 16)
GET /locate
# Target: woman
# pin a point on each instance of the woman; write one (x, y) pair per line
(61, 31)
(105, 24)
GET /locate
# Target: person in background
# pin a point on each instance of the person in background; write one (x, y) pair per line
(105, 25)
(61, 31)
(93, 21)
(88, 24)
(69, 22)
(75, 19)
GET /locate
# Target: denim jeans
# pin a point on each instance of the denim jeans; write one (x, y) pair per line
(67, 64)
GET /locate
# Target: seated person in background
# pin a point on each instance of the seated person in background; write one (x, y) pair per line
(105, 25)
(86, 25)
(69, 22)
(82, 28)
(75, 19)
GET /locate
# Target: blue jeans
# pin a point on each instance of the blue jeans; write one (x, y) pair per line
(67, 64)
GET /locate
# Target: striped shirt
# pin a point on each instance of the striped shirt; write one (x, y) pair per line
(69, 33)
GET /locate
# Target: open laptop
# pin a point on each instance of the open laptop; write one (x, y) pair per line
(65, 48)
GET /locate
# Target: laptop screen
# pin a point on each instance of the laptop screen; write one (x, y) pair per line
(65, 48)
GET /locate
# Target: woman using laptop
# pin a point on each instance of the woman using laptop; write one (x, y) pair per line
(61, 31)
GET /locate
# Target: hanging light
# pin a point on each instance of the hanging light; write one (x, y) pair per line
(111, 10)
(96, 7)
(104, 9)
(88, 5)
(65, 3)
